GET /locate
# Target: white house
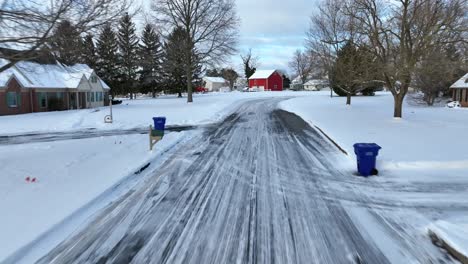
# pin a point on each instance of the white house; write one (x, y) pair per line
(213, 84)
(316, 85)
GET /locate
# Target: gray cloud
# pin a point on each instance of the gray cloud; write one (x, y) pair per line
(274, 29)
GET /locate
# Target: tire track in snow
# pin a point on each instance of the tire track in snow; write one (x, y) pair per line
(255, 189)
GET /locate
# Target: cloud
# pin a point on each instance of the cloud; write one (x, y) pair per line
(273, 29)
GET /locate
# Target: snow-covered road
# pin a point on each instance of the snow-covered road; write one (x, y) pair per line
(79, 134)
(262, 187)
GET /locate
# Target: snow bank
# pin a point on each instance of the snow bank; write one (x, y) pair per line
(426, 138)
(69, 175)
(206, 108)
(454, 234)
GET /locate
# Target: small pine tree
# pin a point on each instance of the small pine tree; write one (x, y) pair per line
(128, 47)
(286, 81)
(66, 41)
(88, 50)
(151, 55)
(107, 63)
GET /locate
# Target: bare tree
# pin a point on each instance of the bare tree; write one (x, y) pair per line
(28, 25)
(327, 33)
(401, 32)
(210, 27)
(437, 70)
(301, 64)
(250, 63)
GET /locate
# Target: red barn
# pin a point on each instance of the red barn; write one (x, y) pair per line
(267, 80)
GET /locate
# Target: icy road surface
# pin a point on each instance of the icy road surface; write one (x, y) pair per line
(262, 187)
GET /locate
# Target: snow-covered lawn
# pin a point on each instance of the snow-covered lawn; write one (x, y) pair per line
(206, 108)
(426, 138)
(426, 149)
(74, 178)
(69, 174)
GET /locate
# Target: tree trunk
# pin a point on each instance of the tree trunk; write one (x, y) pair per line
(188, 70)
(398, 108)
(348, 98)
(179, 94)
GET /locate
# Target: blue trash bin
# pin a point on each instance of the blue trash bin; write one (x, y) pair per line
(366, 154)
(159, 123)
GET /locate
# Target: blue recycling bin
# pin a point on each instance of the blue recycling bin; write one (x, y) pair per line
(366, 154)
(159, 125)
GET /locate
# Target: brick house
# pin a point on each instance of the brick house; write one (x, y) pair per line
(29, 87)
(460, 91)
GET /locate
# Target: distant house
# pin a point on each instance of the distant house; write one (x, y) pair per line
(29, 87)
(213, 84)
(316, 85)
(266, 80)
(460, 90)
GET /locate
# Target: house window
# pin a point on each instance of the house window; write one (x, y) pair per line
(275, 86)
(94, 79)
(42, 98)
(97, 97)
(92, 97)
(13, 99)
(59, 95)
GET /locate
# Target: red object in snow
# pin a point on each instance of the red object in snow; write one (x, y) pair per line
(28, 179)
(267, 80)
(33, 180)
(200, 89)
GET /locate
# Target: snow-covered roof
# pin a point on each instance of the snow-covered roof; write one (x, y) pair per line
(35, 75)
(214, 79)
(263, 74)
(6, 75)
(316, 82)
(461, 83)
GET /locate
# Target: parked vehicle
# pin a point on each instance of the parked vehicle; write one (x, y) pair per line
(200, 89)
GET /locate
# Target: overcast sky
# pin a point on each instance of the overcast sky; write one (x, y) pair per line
(274, 29)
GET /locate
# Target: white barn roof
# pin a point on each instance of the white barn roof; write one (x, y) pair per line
(263, 74)
(462, 83)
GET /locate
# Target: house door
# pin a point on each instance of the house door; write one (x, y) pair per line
(82, 100)
(73, 101)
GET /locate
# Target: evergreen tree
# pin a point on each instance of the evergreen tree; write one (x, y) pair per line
(286, 81)
(107, 62)
(88, 50)
(151, 55)
(355, 70)
(214, 73)
(66, 41)
(174, 63)
(128, 47)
